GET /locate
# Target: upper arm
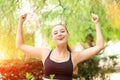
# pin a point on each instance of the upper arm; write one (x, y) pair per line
(34, 51)
(86, 54)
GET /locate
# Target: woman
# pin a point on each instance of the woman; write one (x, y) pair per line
(61, 61)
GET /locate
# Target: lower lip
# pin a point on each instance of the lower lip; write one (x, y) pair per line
(60, 39)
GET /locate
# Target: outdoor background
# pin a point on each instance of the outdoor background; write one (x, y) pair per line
(76, 16)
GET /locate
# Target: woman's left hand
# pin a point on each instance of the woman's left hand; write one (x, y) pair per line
(94, 18)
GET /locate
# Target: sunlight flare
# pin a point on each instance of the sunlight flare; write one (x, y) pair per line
(2, 56)
(25, 7)
(114, 14)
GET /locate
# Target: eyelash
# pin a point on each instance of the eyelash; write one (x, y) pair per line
(62, 31)
(57, 32)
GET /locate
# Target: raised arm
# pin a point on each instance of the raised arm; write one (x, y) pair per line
(32, 51)
(19, 35)
(90, 52)
(99, 38)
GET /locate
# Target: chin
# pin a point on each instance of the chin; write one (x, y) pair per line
(61, 43)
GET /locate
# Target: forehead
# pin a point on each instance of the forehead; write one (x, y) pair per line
(58, 27)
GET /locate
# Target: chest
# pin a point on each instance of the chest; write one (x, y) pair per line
(62, 68)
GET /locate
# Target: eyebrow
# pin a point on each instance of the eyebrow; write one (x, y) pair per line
(62, 29)
(54, 31)
(57, 30)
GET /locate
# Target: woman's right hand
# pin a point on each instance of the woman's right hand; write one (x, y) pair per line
(22, 18)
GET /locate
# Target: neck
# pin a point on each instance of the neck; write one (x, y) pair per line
(61, 49)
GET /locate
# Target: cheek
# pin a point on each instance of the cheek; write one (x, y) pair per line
(53, 38)
(67, 36)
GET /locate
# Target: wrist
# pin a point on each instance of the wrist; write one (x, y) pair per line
(96, 23)
(20, 23)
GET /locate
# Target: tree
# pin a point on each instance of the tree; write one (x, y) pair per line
(75, 14)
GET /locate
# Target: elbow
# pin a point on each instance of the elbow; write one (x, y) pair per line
(101, 47)
(18, 45)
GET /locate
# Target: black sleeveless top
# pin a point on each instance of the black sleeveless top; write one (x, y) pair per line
(60, 71)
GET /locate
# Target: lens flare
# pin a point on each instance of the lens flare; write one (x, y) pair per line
(2, 56)
(25, 7)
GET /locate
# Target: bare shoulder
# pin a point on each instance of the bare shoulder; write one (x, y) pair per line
(45, 53)
(45, 50)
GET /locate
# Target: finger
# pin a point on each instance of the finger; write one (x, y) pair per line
(93, 14)
(24, 16)
(94, 18)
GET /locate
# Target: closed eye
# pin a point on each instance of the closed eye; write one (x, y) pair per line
(55, 33)
(62, 31)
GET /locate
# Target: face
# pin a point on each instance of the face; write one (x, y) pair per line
(60, 35)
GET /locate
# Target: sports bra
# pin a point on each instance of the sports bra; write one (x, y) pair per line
(59, 71)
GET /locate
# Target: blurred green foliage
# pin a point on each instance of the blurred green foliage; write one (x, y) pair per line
(75, 14)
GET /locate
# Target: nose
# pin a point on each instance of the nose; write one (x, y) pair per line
(59, 33)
